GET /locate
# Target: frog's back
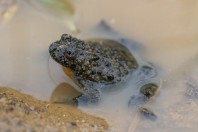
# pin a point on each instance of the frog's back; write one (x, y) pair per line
(103, 61)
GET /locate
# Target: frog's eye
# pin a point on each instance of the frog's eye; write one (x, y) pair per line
(69, 53)
(107, 63)
(66, 37)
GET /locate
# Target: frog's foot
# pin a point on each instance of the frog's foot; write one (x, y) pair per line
(146, 72)
(91, 96)
(137, 100)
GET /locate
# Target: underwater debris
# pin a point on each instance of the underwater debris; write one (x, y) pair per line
(147, 113)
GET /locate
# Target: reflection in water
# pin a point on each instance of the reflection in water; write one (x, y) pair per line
(64, 93)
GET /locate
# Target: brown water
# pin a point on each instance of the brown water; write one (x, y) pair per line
(167, 31)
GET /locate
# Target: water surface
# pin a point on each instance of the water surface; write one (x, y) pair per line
(167, 31)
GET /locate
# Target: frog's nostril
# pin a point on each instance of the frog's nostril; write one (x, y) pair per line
(69, 51)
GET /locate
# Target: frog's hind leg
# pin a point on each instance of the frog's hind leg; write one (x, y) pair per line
(91, 96)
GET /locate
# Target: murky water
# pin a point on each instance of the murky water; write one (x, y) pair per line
(167, 31)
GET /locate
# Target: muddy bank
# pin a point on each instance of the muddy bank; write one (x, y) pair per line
(20, 112)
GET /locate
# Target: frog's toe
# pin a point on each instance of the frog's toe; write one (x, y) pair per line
(146, 72)
(137, 100)
(147, 113)
(90, 97)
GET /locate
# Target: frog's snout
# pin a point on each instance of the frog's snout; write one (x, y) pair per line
(52, 48)
(57, 52)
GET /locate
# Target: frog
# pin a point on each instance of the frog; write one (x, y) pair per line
(95, 63)
(146, 92)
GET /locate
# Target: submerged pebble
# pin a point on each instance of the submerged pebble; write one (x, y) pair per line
(149, 90)
(73, 124)
(191, 90)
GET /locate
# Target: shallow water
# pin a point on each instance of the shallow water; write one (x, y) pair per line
(167, 33)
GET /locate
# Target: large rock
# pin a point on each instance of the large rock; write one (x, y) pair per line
(20, 112)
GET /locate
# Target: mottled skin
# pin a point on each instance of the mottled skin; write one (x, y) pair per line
(96, 63)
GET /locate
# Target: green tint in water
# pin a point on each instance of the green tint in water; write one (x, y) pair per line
(64, 6)
(62, 10)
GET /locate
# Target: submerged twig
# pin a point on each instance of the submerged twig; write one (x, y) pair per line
(147, 113)
(134, 123)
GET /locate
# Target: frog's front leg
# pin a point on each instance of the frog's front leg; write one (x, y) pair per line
(89, 96)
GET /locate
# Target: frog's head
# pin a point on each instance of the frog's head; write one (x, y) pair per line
(62, 51)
